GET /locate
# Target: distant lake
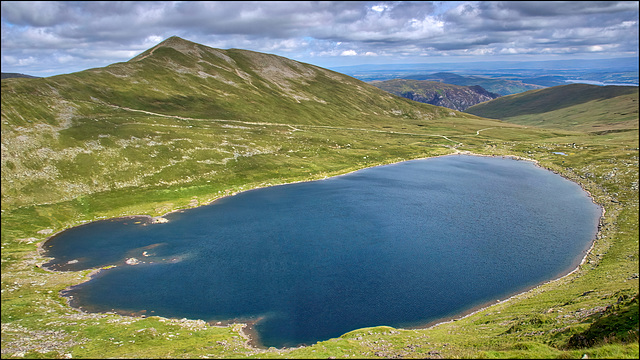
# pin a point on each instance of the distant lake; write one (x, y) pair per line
(401, 245)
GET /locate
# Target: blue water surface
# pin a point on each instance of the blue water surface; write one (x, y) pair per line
(398, 245)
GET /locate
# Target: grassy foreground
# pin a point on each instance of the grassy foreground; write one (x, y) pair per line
(100, 157)
(37, 323)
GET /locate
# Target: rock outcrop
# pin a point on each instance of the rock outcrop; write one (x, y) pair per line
(436, 93)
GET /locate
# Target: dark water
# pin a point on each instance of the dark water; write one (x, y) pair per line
(398, 245)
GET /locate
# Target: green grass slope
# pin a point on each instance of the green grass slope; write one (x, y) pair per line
(182, 124)
(117, 127)
(186, 79)
(576, 106)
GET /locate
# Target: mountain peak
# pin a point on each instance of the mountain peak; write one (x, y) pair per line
(174, 42)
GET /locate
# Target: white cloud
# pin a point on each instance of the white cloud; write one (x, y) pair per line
(153, 39)
(313, 31)
(25, 61)
(64, 59)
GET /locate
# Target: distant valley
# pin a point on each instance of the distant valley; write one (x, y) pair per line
(620, 71)
(493, 85)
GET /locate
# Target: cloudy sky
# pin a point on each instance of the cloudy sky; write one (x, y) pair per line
(46, 38)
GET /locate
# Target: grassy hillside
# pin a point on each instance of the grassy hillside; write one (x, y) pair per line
(436, 93)
(576, 107)
(183, 124)
(180, 112)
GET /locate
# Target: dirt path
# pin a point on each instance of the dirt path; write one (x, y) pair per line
(297, 127)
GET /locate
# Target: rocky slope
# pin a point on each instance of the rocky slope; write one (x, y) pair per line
(436, 93)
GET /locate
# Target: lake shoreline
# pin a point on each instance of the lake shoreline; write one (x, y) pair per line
(487, 305)
(251, 335)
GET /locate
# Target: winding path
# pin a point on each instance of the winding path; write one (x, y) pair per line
(297, 126)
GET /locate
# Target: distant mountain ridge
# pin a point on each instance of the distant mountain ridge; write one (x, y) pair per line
(455, 97)
(575, 107)
(498, 86)
(17, 75)
(614, 71)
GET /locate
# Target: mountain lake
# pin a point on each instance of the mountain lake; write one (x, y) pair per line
(402, 245)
